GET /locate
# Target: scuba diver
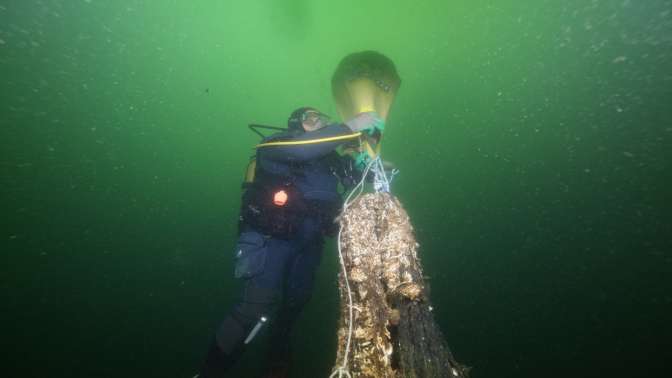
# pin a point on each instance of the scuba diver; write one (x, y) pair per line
(289, 203)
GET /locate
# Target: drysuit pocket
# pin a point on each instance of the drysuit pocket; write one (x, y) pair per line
(250, 255)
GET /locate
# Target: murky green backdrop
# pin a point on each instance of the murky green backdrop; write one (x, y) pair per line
(533, 139)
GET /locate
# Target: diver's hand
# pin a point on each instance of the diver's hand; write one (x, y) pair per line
(363, 121)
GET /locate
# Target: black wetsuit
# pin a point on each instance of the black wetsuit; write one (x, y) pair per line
(278, 267)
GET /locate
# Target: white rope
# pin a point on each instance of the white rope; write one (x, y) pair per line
(342, 370)
(380, 184)
(380, 180)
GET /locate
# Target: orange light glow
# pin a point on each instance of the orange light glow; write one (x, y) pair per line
(280, 198)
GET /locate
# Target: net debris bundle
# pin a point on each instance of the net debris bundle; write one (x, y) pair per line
(393, 332)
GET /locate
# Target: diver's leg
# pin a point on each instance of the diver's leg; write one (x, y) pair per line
(260, 297)
(298, 290)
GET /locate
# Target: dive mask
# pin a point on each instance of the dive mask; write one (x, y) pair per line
(312, 117)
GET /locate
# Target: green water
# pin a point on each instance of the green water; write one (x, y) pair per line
(534, 140)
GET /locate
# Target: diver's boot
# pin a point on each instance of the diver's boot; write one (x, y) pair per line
(216, 363)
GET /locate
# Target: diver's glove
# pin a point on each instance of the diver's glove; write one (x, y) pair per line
(368, 121)
(362, 159)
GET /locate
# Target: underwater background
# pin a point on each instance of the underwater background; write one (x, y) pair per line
(534, 140)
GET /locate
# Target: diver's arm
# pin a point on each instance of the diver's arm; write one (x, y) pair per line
(314, 147)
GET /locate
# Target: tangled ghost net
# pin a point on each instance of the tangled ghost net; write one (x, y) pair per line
(386, 327)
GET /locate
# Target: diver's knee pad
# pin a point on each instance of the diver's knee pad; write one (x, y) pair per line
(230, 335)
(255, 303)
